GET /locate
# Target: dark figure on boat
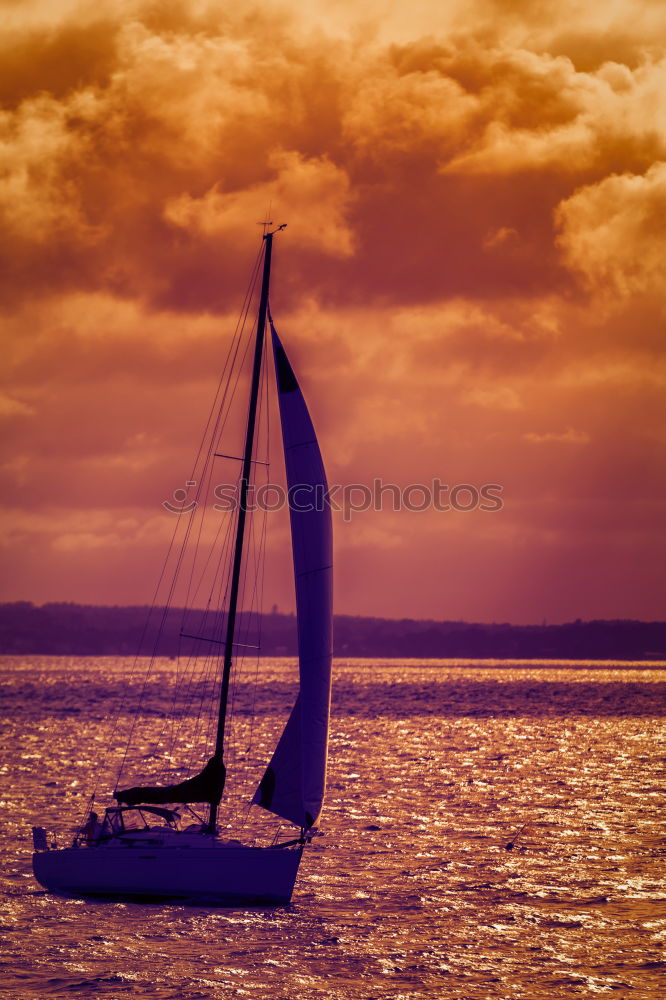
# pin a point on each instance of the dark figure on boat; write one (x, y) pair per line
(92, 829)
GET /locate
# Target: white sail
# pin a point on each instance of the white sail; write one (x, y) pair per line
(294, 783)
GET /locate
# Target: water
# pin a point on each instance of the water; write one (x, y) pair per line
(434, 769)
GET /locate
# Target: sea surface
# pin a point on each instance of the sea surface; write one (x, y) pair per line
(412, 890)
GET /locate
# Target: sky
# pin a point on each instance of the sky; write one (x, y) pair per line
(470, 287)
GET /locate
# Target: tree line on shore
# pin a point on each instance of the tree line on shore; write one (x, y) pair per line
(88, 630)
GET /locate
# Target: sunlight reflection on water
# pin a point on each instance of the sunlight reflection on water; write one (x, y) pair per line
(434, 770)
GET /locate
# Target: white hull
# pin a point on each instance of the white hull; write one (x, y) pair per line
(216, 874)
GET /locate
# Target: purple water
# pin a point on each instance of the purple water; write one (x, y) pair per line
(411, 892)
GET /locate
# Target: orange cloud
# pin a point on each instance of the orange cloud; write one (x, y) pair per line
(613, 232)
(570, 436)
(313, 194)
(470, 283)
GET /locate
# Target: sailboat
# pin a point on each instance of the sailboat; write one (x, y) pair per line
(141, 849)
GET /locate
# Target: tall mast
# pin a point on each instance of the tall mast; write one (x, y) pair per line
(242, 512)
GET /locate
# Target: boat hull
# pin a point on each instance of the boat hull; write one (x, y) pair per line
(219, 875)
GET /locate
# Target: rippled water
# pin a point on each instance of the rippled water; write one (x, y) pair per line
(435, 767)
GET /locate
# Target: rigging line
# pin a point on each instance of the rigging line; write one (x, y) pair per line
(225, 549)
(163, 618)
(211, 664)
(260, 575)
(204, 479)
(252, 547)
(207, 471)
(237, 334)
(133, 670)
(258, 560)
(189, 597)
(152, 657)
(243, 630)
(175, 719)
(238, 549)
(260, 605)
(191, 734)
(227, 524)
(221, 600)
(255, 552)
(239, 574)
(247, 624)
(223, 410)
(215, 442)
(208, 692)
(172, 543)
(185, 692)
(242, 590)
(180, 558)
(233, 352)
(262, 556)
(223, 531)
(220, 580)
(193, 555)
(258, 554)
(196, 695)
(238, 661)
(171, 720)
(217, 407)
(216, 642)
(254, 461)
(205, 684)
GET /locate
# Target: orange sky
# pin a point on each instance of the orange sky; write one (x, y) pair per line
(471, 285)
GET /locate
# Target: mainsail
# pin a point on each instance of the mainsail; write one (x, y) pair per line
(294, 782)
(207, 786)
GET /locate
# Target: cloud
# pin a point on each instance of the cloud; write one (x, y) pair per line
(501, 398)
(470, 285)
(613, 232)
(570, 436)
(499, 237)
(38, 203)
(138, 167)
(10, 407)
(541, 113)
(313, 194)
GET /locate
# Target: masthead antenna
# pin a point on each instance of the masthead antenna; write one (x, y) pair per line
(267, 223)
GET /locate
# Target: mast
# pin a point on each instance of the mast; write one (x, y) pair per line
(242, 512)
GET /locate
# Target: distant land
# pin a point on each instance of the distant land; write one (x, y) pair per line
(87, 630)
